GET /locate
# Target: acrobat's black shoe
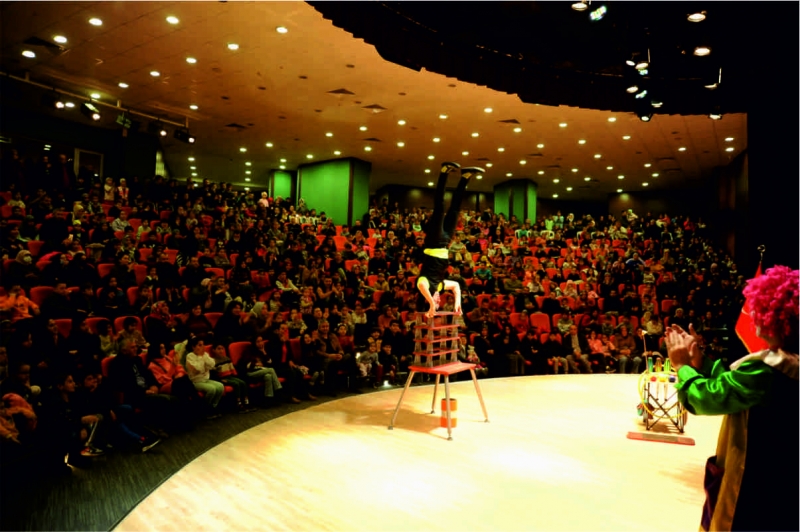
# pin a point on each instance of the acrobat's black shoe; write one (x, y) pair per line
(449, 167)
(470, 171)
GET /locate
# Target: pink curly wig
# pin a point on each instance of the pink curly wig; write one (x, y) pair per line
(773, 299)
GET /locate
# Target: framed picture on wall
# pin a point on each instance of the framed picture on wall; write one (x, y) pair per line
(89, 163)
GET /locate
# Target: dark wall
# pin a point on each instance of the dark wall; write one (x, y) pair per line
(134, 155)
(684, 201)
(411, 197)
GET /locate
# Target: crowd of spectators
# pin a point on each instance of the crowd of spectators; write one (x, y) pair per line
(134, 309)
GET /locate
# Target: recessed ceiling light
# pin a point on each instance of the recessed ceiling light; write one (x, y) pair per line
(509, 174)
(620, 177)
(123, 85)
(582, 141)
(428, 171)
(362, 128)
(443, 117)
(431, 157)
(517, 130)
(556, 180)
(541, 172)
(69, 104)
(283, 160)
(555, 195)
(574, 170)
(489, 165)
(193, 107)
(247, 179)
(268, 144)
(701, 51)
(430, 183)
(647, 165)
(655, 174)
(401, 122)
(282, 29)
(309, 156)
(523, 161)
(562, 124)
(95, 95)
(282, 167)
(248, 172)
(587, 178)
(480, 176)
(464, 153)
(155, 73)
(729, 148)
(328, 134)
(501, 149)
(401, 144)
(191, 60)
(194, 174)
(619, 191)
(540, 146)
(645, 184)
(242, 149)
(367, 148)
(598, 156)
(60, 39)
(28, 53)
(248, 163)
(626, 137)
(569, 189)
(337, 152)
(233, 46)
(172, 20)
(696, 17)
(682, 148)
(246, 189)
(436, 139)
(609, 167)
(612, 118)
(728, 139)
(95, 22)
(475, 135)
(192, 168)
(487, 110)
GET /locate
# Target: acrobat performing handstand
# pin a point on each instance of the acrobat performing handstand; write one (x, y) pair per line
(431, 281)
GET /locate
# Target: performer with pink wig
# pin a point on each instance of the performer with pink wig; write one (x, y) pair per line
(752, 481)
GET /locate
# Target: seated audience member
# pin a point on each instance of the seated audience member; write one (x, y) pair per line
(576, 350)
(259, 366)
(198, 366)
(627, 352)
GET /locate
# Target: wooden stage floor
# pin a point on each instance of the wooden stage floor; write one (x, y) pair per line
(554, 457)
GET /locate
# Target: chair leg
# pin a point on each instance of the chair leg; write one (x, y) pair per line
(480, 395)
(447, 404)
(435, 389)
(400, 402)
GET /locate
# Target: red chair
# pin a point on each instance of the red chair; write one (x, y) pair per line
(39, 294)
(236, 350)
(104, 269)
(666, 306)
(213, 317)
(133, 293)
(34, 246)
(172, 255)
(118, 323)
(376, 296)
(64, 327)
(144, 254)
(92, 324)
(216, 272)
(105, 365)
(541, 322)
(140, 271)
(372, 279)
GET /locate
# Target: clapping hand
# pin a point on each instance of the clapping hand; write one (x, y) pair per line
(683, 348)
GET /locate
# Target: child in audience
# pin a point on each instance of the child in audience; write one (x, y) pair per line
(226, 374)
(109, 191)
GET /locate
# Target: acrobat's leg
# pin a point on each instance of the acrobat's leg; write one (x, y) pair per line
(433, 230)
(450, 219)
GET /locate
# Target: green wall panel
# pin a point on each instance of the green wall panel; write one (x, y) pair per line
(325, 187)
(281, 184)
(501, 197)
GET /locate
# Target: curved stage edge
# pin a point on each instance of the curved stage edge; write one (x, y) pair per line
(554, 457)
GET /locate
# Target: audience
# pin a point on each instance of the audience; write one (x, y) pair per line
(137, 293)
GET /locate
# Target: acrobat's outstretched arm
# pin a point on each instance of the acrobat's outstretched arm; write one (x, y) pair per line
(456, 289)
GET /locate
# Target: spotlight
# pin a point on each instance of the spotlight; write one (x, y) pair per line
(642, 94)
(712, 80)
(157, 128)
(716, 113)
(645, 116)
(643, 63)
(598, 13)
(632, 89)
(89, 110)
(184, 136)
(580, 6)
(702, 51)
(656, 102)
(52, 100)
(696, 17)
(643, 72)
(124, 121)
